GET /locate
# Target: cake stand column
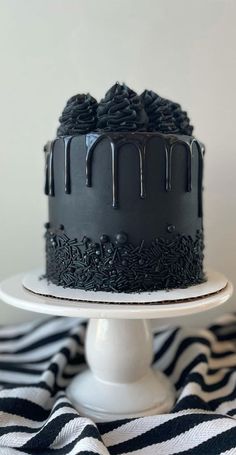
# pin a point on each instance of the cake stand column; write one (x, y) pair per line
(120, 382)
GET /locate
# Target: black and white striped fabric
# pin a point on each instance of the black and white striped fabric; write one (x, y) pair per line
(38, 360)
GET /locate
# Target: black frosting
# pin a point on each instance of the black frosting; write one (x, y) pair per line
(164, 115)
(121, 110)
(79, 116)
(181, 119)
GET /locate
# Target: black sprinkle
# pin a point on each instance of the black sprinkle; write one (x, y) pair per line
(166, 263)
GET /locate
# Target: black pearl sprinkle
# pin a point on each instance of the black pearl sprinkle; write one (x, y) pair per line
(170, 228)
(104, 238)
(121, 238)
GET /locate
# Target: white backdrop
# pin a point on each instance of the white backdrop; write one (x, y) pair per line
(52, 49)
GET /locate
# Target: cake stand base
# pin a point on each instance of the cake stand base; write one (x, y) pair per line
(120, 382)
(101, 401)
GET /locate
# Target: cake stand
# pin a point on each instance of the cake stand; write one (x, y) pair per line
(120, 382)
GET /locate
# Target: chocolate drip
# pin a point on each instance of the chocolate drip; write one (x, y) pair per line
(189, 161)
(46, 187)
(92, 140)
(200, 149)
(169, 147)
(51, 170)
(116, 142)
(67, 142)
(91, 145)
(168, 157)
(114, 154)
(142, 164)
(49, 183)
(141, 149)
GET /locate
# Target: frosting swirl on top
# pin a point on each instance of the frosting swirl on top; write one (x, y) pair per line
(164, 115)
(78, 116)
(121, 110)
(181, 119)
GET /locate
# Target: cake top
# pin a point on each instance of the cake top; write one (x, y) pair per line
(124, 110)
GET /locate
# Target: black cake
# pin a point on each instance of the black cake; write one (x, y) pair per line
(124, 186)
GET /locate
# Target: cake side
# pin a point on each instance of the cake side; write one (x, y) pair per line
(125, 211)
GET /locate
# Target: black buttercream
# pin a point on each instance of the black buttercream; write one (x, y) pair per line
(79, 116)
(181, 119)
(164, 115)
(121, 110)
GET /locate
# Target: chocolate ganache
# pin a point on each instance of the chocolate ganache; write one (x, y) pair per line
(125, 205)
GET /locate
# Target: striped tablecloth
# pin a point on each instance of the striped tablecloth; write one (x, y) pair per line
(37, 361)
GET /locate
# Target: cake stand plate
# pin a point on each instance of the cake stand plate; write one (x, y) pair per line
(120, 382)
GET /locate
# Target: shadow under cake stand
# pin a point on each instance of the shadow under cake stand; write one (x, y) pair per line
(120, 382)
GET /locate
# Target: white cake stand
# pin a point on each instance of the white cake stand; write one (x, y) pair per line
(120, 382)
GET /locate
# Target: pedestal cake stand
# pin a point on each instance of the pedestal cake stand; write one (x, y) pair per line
(119, 382)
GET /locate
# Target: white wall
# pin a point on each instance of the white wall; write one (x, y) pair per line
(52, 49)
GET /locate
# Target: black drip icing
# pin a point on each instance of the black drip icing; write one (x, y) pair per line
(49, 183)
(116, 141)
(67, 141)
